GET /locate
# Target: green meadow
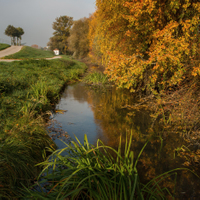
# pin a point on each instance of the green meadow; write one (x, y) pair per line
(28, 90)
(3, 46)
(29, 52)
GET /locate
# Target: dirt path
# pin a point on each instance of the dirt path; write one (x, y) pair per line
(10, 50)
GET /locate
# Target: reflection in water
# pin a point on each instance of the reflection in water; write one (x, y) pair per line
(106, 114)
(79, 118)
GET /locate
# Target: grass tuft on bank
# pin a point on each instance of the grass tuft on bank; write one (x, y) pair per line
(28, 90)
(28, 52)
(96, 78)
(84, 171)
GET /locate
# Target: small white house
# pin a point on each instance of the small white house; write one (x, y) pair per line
(56, 52)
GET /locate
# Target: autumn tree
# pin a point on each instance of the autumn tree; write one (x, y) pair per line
(94, 40)
(62, 27)
(78, 40)
(147, 43)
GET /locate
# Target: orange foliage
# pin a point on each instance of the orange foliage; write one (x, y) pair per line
(92, 36)
(146, 42)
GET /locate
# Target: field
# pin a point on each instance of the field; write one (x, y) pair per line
(3, 46)
(28, 91)
(29, 52)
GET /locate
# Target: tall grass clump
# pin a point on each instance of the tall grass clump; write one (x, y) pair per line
(3, 46)
(21, 148)
(96, 172)
(96, 78)
(29, 52)
(28, 89)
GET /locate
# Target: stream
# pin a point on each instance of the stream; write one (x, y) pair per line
(107, 114)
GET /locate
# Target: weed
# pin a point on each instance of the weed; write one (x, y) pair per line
(96, 78)
(96, 172)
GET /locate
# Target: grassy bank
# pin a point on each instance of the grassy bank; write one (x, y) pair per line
(28, 90)
(29, 52)
(3, 46)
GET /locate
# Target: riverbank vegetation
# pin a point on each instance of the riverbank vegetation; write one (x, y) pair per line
(147, 45)
(96, 78)
(83, 171)
(28, 91)
(29, 52)
(3, 46)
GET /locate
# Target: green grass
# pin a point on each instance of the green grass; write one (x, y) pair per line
(29, 52)
(28, 90)
(97, 172)
(96, 78)
(3, 46)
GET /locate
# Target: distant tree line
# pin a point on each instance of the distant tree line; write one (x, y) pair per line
(78, 41)
(70, 37)
(15, 34)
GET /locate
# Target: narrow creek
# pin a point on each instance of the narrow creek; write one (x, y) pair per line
(104, 114)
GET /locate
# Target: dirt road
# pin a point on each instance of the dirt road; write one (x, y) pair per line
(10, 50)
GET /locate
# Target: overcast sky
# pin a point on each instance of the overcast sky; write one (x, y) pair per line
(36, 17)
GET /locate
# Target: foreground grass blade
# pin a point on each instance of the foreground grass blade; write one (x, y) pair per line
(89, 172)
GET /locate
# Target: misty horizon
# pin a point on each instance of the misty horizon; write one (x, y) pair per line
(36, 17)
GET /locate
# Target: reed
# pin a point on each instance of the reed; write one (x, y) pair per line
(96, 172)
(96, 78)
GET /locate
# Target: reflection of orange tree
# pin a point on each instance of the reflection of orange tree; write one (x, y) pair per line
(179, 114)
(114, 119)
(152, 164)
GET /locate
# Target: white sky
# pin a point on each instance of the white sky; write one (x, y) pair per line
(36, 17)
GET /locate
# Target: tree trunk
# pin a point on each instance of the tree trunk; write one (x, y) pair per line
(14, 40)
